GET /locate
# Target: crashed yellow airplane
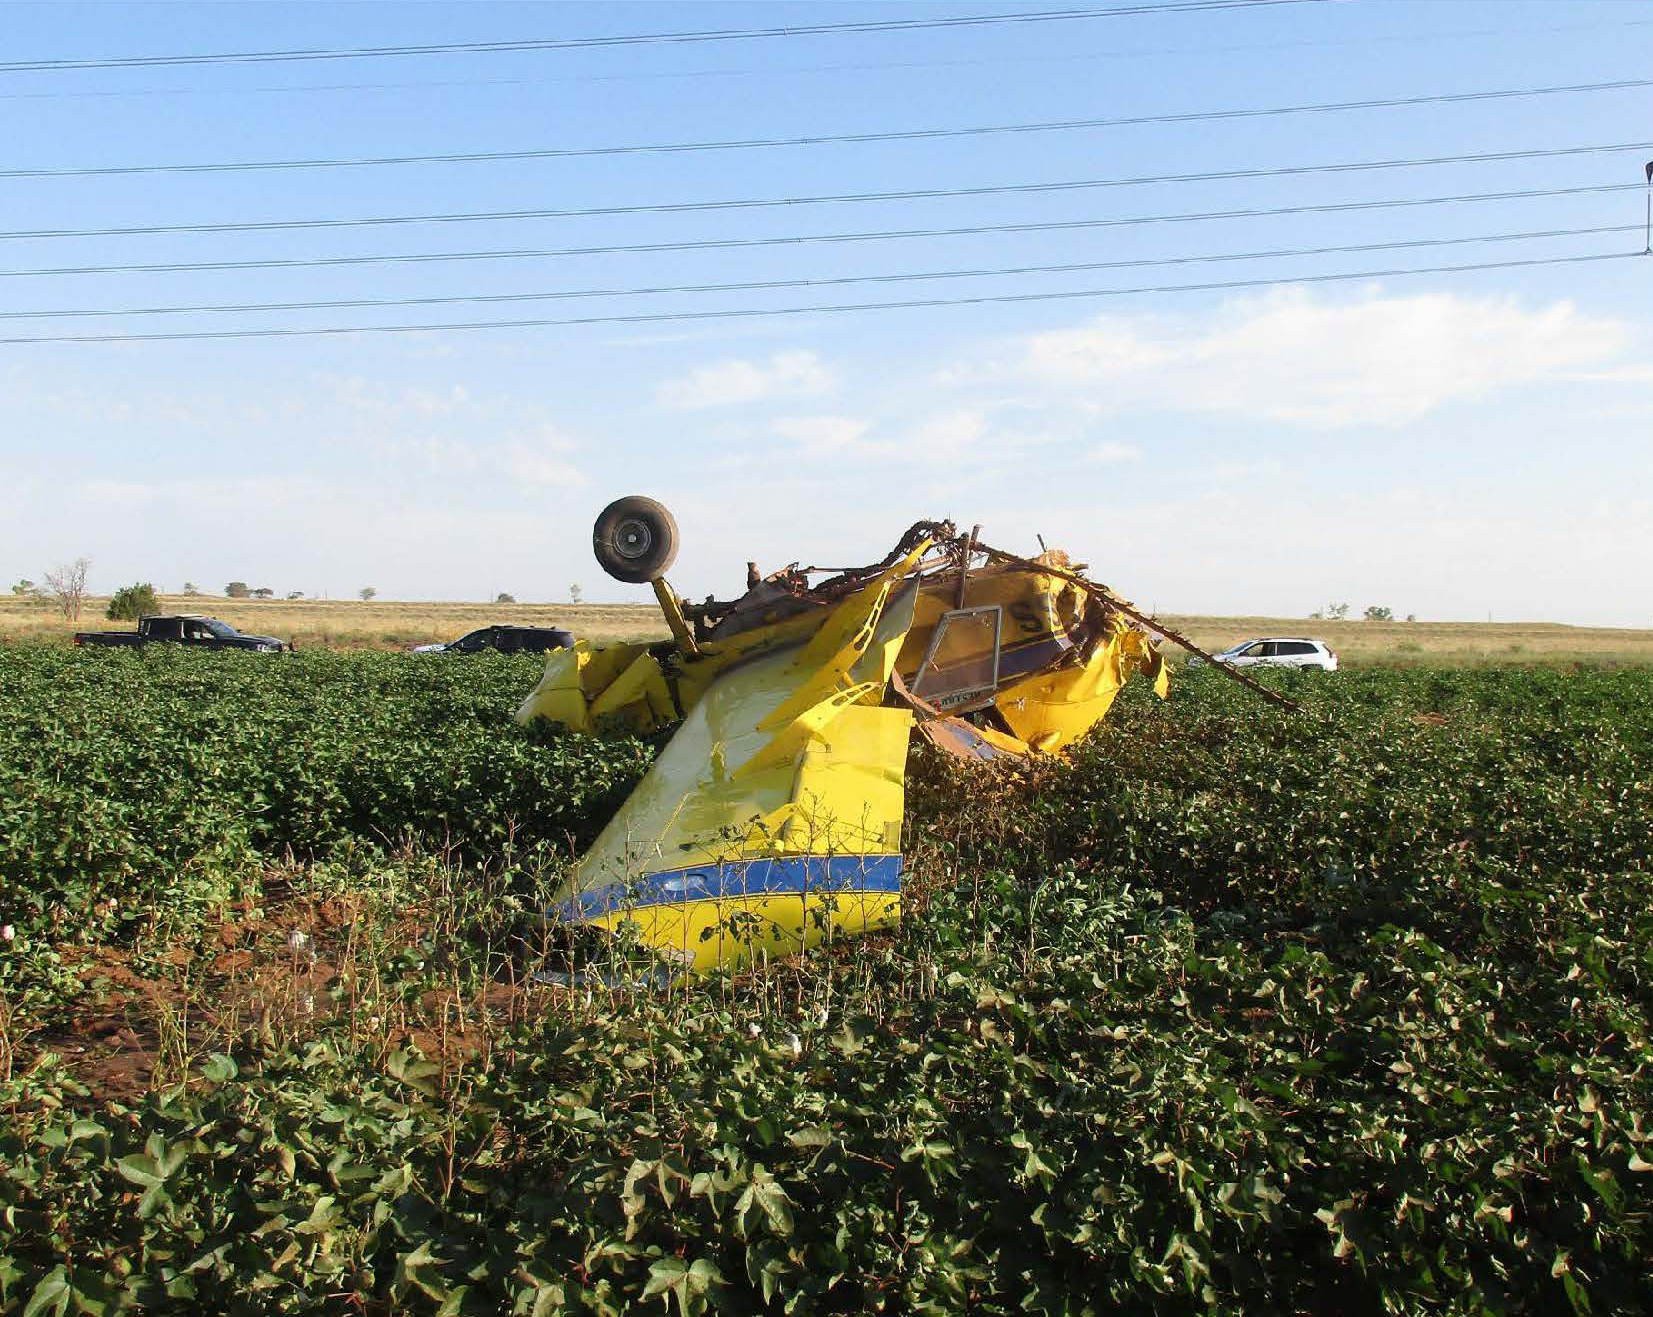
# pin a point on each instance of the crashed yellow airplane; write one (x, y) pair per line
(771, 820)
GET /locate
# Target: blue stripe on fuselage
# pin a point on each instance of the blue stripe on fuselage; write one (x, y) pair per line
(788, 875)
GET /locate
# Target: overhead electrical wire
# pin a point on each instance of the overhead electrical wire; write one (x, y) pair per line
(643, 38)
(755, 203)
(1074, 267)
(790, 70)
(827, 139)
(735, 313)
(718, 244)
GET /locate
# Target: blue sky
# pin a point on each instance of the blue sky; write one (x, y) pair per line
(1451, 445)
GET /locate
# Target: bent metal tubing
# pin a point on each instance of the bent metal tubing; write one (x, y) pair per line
(1113, 601)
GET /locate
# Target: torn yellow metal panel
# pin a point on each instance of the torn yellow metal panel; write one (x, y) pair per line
(638, 699)
(579, 684)
(560, 696)
(1050, 710)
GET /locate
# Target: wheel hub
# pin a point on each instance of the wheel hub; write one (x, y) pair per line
(633, 540)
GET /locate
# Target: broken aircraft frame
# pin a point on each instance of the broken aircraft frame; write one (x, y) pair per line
(772, 817)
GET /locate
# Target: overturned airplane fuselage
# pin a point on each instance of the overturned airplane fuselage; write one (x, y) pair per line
(771, 819)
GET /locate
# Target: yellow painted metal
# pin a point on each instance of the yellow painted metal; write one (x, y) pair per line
(1003, 742)
(721, 789)
(560, 696)
(785, 753)
(672, 608)
(618, 683)
(703, 935)
(1034, 607)
(1049, 710)
(717, 657)
(846, 652)
(637, 699)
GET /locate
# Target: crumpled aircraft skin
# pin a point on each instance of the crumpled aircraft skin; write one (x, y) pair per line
(771, 820)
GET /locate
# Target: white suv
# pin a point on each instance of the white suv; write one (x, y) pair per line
(1283, 652)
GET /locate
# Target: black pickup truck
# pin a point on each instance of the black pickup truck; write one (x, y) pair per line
(203, 632)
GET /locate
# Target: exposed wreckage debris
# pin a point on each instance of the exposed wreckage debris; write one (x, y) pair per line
(772, 817)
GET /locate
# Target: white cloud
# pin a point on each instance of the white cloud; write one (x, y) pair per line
(436, 429)
(794, 374)
(1380, 360)
(536, 462)
(460, 477)
(220, 496)
(1639, 373)
(821, 436)
(1241, 472)
(946, 434)
(538, 457)
(939, 436)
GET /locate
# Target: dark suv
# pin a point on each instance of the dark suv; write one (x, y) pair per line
(505, 639)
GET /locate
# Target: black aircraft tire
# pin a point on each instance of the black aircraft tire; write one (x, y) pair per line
(635, 539)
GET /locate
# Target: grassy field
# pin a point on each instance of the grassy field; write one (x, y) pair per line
(390, 624)
(1236, 1012)
(348, 623)
(1433, 644)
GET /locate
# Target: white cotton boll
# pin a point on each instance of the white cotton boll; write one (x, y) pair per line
(297, 940)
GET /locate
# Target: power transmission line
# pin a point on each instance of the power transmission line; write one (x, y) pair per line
(1074, 267)
(754, 203)
(718, 244)
(641, 38)
(791, 70)
(821, 308)
(825, 139)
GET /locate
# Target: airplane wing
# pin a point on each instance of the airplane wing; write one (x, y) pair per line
(771, 820)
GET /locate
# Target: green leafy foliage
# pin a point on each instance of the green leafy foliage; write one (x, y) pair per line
(132, 602)
(1238, 1012)
(165, 779)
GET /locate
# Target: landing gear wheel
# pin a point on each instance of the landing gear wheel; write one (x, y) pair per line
(635, 540)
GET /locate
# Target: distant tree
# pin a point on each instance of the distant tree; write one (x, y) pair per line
(132, 602)
(263, 592)
(295, 594)
(1378, 613)
(1337, 611)
(236, 590)
(367, 592)
(190, 590)
(23, 587)
(503, 598)
(574, 593)
(1318, 615)
(1411, 617)
(68, 586)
